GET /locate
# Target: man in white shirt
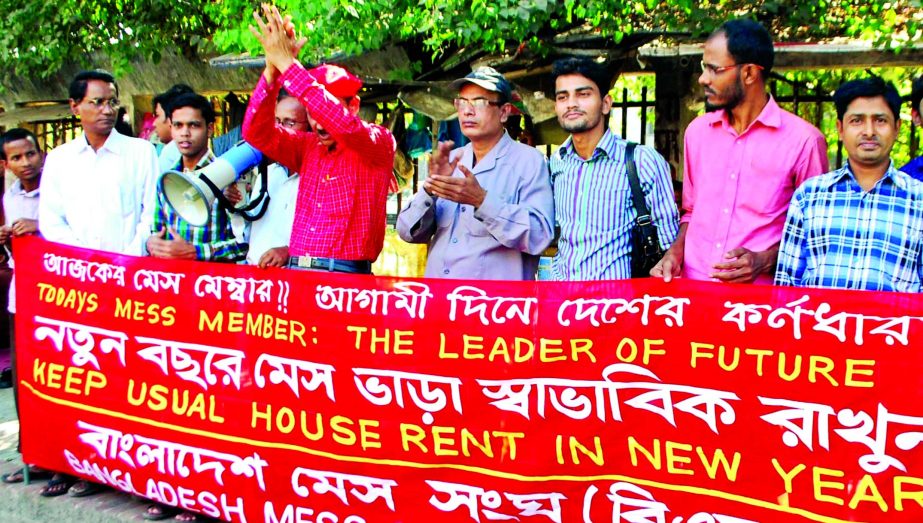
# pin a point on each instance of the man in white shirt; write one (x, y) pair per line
(97, 193)
(98, 189)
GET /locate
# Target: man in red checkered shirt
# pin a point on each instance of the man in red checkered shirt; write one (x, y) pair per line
(345, 162)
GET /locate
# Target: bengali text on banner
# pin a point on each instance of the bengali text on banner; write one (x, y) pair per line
(287, 396)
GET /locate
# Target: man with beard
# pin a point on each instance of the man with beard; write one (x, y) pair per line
(592, 195)
(486, 209)
(97, 193)
(860, 226)
(743, 162)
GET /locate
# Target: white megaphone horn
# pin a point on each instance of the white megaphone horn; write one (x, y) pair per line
(191, 194)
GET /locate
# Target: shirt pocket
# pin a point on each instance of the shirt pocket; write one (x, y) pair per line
(768, 189)
(445, 213)
(475, 227)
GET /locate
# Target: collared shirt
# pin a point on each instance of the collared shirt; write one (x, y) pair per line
(914, 168)
(501, 239)
(340, 212)
(17, 205)
(214, 241)
(839, 236)
(593, 206)
(274, 228)
(99, 199)
(737, 188)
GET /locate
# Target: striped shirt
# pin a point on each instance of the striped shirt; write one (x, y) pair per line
(215, 240)
(840, 236)
(592, 203)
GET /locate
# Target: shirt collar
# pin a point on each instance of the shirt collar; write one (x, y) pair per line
(607, 145)
(489, 161)
(113, 143)
(892, 174)
(16, 188)
(205, 160)
(770, 116)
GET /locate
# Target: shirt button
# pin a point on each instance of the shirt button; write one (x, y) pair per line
(454, 240)
(717, 245)
(733, 176)
(725, 210)
(463, 209)
(312, 229)
(318, 205)
(445, 271)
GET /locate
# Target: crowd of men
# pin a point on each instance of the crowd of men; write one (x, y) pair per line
(759, 202)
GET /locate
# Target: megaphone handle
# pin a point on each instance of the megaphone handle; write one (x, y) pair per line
(263, 198)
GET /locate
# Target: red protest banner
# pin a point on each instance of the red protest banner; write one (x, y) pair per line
(287, 396)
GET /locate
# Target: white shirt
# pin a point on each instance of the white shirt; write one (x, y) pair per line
(274, 228)
(102, 199)
(18, 204)
(169, 156)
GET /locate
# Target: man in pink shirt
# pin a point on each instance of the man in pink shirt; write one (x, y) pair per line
(743, 162)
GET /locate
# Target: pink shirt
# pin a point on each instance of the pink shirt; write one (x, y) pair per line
(737, 188)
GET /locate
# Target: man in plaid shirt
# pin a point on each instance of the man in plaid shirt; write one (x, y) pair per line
(345, 163)
(861, 226)
(193, 122)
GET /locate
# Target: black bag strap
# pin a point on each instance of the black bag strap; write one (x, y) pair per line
(637, 194)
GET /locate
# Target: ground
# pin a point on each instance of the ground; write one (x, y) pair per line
(22, 503)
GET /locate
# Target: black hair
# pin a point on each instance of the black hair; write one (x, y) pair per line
(870, 87)
(195, 101)
(586, 67)
(14, 135)
(748, 42)
(78, 87)
(916, 93)
(283, 94)
(163, 99)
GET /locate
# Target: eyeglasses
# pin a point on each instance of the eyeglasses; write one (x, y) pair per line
(476, 103)
(98, 103)
(288, 123)
(715, 70)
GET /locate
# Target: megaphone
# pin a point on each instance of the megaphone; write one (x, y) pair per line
(191, 195)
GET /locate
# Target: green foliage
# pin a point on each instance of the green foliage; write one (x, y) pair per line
(37, 37)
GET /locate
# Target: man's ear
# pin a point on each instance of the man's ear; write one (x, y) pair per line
(607, 104)
(505, 111)
(211, 129)
(74, 105)
(916, 117)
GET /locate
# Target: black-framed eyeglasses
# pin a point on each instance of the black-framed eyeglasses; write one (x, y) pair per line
(98, 103)
(288, 123)
(476, 103)
(715, 70)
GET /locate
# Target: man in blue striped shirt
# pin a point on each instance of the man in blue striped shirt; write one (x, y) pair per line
(592, 196)
(861, 226)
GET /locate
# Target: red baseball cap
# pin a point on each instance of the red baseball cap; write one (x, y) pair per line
(338, 81)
